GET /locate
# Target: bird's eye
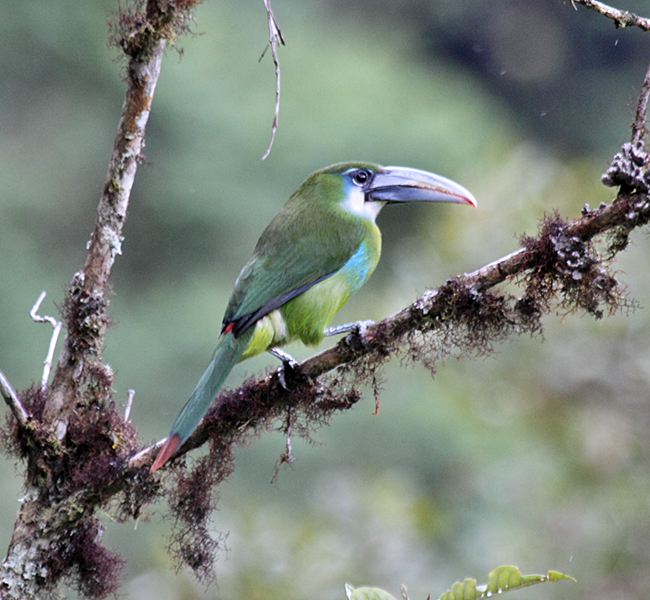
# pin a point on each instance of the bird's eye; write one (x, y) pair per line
(361, 176)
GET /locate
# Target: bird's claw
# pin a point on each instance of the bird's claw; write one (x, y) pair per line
(358, 327)
(362, 327)
(281, 370)
(287, 362)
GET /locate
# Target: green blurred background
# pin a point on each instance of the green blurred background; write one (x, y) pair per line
(538, 456)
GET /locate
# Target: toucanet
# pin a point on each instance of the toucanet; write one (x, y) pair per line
(318, 250)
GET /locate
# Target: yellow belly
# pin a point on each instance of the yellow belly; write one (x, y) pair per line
(270, 331)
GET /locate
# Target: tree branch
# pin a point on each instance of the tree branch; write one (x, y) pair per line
(86, 303)
(621, 18)
(639, 126)
(57, 535)
(383, 339)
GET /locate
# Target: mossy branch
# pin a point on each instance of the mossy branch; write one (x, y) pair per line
(559, 267)
(57, 535)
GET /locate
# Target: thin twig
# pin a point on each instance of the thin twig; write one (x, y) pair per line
(145, 456)
(621, 18)
(56, 324)
(275, 36)
(129, 403)
(12, 400)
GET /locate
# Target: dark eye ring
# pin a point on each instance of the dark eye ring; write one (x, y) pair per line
(361, 177)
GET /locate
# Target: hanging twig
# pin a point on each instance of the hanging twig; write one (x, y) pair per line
(286, 457)
(47, 363)
(275, 36)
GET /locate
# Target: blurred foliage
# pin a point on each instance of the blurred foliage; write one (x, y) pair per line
(500, 580)
(538, 456)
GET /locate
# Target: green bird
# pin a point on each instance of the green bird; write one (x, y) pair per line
(319, 249)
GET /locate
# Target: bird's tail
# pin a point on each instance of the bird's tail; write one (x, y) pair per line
(225, 357)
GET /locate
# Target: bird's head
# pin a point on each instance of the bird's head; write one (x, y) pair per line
(364, 188)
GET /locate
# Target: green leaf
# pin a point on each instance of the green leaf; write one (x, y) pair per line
(366, 593)
(502, 579)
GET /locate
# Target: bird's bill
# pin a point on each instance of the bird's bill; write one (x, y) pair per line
(401, 184)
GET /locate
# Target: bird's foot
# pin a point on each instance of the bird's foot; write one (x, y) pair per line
(285, 357)
(288, 362)
(358, 327)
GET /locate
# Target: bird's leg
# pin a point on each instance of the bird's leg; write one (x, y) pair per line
(287, 361)
(358, 327)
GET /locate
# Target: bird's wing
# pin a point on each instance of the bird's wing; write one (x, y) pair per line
(293, 254)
